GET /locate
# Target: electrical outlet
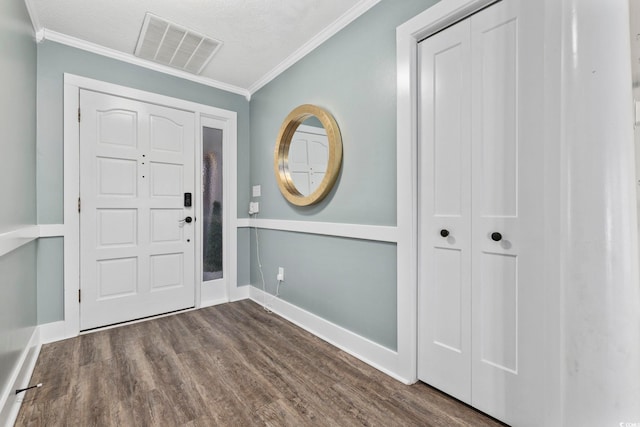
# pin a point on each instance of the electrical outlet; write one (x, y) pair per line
(254, 208)
(257, 190)
(280, 276)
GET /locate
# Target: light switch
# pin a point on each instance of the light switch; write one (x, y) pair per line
(257, 190)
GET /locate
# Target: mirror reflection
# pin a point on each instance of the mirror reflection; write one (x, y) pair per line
(308, 156)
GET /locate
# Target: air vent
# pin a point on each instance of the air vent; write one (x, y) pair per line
(171, 44)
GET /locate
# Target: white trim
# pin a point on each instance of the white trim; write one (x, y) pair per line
(19, 378)
(35, 20)
(244, 222)
(71, 227)
(137, 94)
(371, 353)
(211, 301)
(52, 332)
(378, 233)
(12, 240)
(51, 230)
(438, 17)
(348, 17)
(39, 36)
(131, 59)
(434, 19)
(240, 293)
(71, 192)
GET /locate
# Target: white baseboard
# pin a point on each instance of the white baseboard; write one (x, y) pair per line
(212, 302)
(10, 401)
(240, 293)
(369, 352)
(54, 331)
(213, 293)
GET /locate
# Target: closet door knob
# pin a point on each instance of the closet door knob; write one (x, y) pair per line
(444, 232)
(496, 237)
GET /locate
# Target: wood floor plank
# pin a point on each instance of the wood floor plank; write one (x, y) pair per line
(95, 347)
(121, 413)
(281, 413)
(187, 404)
(64, 356)
(155, 409)
(44, 413)
(92, 395)
(222, 407)
(230, 365)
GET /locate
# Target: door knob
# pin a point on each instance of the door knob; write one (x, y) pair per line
(444, 232)
(496, 237)
(188, 220)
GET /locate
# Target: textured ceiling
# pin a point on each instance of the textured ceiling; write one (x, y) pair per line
(258, 35)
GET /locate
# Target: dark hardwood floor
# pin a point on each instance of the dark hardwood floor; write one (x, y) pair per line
(228, 365)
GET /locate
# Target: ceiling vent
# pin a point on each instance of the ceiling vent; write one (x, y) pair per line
(171, 44)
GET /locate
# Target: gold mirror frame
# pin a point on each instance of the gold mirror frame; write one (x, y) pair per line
(281, 154)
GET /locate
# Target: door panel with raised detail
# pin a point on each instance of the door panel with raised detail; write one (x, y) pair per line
(481, 212)
(444, 294)
(137, 253)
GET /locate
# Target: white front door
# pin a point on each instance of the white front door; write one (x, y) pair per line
(137, 250)
(481, 217)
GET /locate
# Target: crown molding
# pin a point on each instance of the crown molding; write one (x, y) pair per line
(35, 20)
(348, 17)
(129, 58)
(351, 15)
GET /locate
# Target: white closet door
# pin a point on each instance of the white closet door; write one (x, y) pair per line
(480, 334)
(507, 246)
(137, 253)
(444, 313)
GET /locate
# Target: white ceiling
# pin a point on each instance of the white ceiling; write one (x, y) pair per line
(261, 37)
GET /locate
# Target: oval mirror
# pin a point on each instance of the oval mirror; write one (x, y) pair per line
(308, 155)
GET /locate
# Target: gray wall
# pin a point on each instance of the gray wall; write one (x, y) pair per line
(349, 282)
(53, 61)
(353, 75)
(17, 117)
(50, 279)
(17, 181)
(17, 306)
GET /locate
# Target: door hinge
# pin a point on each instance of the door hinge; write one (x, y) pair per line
(78, 204)
(79, 297)
(78, 114)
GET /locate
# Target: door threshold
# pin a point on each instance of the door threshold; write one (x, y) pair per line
(131, 322)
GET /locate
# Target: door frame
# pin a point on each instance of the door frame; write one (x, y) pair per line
(72, 86)
(408, 35)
